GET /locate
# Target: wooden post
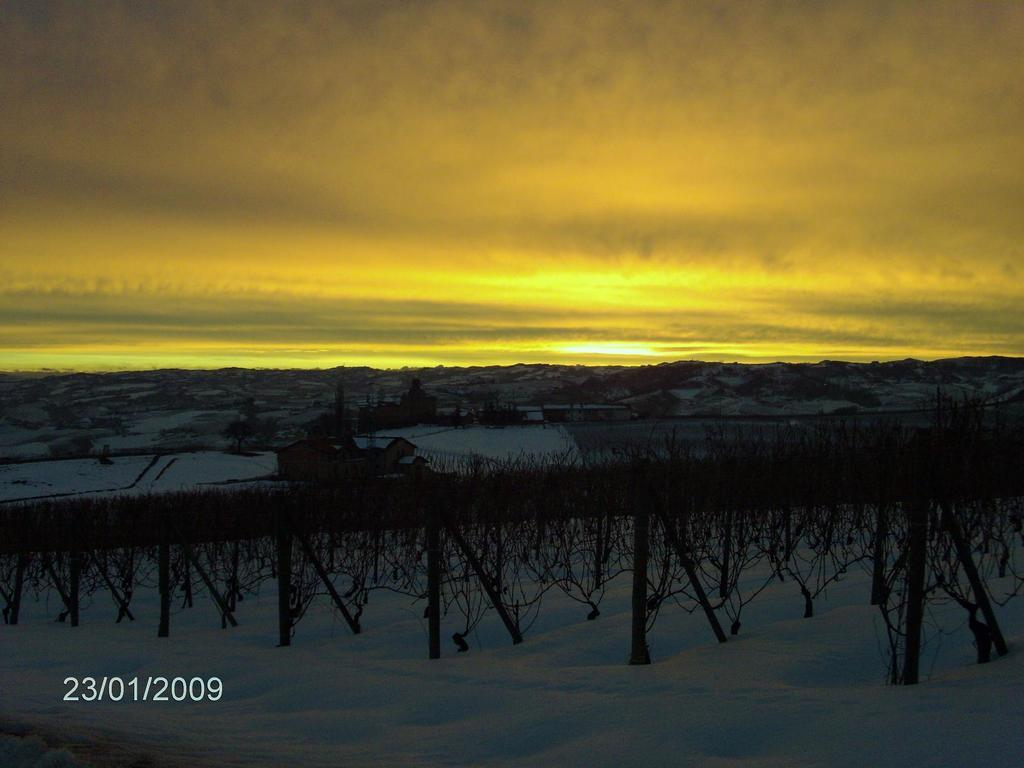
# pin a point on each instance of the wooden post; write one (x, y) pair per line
(233, 585)
(787, 517)
(639, 653)
(917, 519)
(433, 583)
(485, 580)
(723, 581)
(19, 584)
(963, 551)
(599, 550)
(186, 568)
(499, 563)
(325, 577)
(284, 582)
(49, 568)
(164, 567)
(879, 555)
(691, 574)
(191, 559)
(121, 600)
(74, 584)
(376, 554)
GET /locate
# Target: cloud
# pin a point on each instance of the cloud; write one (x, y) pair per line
(638, 161)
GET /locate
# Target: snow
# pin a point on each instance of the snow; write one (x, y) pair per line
(786, 692)
(179, 410)
(175, 420)
(32, 449)
(32, 414)
(23, 442)
(191, 469)
(825, 405)
(500, 443)
(686, 393)
(171, 472)
(42, 478)
(31, 752)
(180, 471)
(363, 442)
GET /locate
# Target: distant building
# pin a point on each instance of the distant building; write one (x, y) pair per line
(498, 414)
(414, 466)
(505, 415)
(530, 414)
(454, 416)
(420, 406)
(414, 407)
(333, 459)
(585, 412)
(383, 454)
(320, 458)
(341, 425)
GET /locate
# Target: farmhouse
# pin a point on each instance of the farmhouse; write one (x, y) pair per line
(414, 466)
(383, 454)
(319, 458)
(332, 459)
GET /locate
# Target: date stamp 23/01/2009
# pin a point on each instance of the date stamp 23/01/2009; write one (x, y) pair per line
(159, 688)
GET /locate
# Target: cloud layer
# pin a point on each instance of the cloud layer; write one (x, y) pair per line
(445, 182)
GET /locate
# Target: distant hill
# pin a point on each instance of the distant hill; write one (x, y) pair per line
(182, 408)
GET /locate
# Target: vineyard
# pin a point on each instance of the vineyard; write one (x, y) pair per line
(933, 516)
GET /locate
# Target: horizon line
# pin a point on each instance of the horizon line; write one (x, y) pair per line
(46, 371)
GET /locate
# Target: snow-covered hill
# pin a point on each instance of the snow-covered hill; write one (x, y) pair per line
(688, 388)
(176, 410)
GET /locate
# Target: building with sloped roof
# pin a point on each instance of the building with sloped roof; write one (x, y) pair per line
(332, 459)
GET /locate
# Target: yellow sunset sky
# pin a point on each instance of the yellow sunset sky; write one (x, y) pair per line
(417, 183)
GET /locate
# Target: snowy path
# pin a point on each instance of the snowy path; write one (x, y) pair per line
(787, 692)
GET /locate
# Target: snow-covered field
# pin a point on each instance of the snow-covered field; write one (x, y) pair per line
(180, 471)
(129, 474)
(501, 443)
(786, 692)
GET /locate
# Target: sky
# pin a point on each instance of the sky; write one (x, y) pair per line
(386, 183)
